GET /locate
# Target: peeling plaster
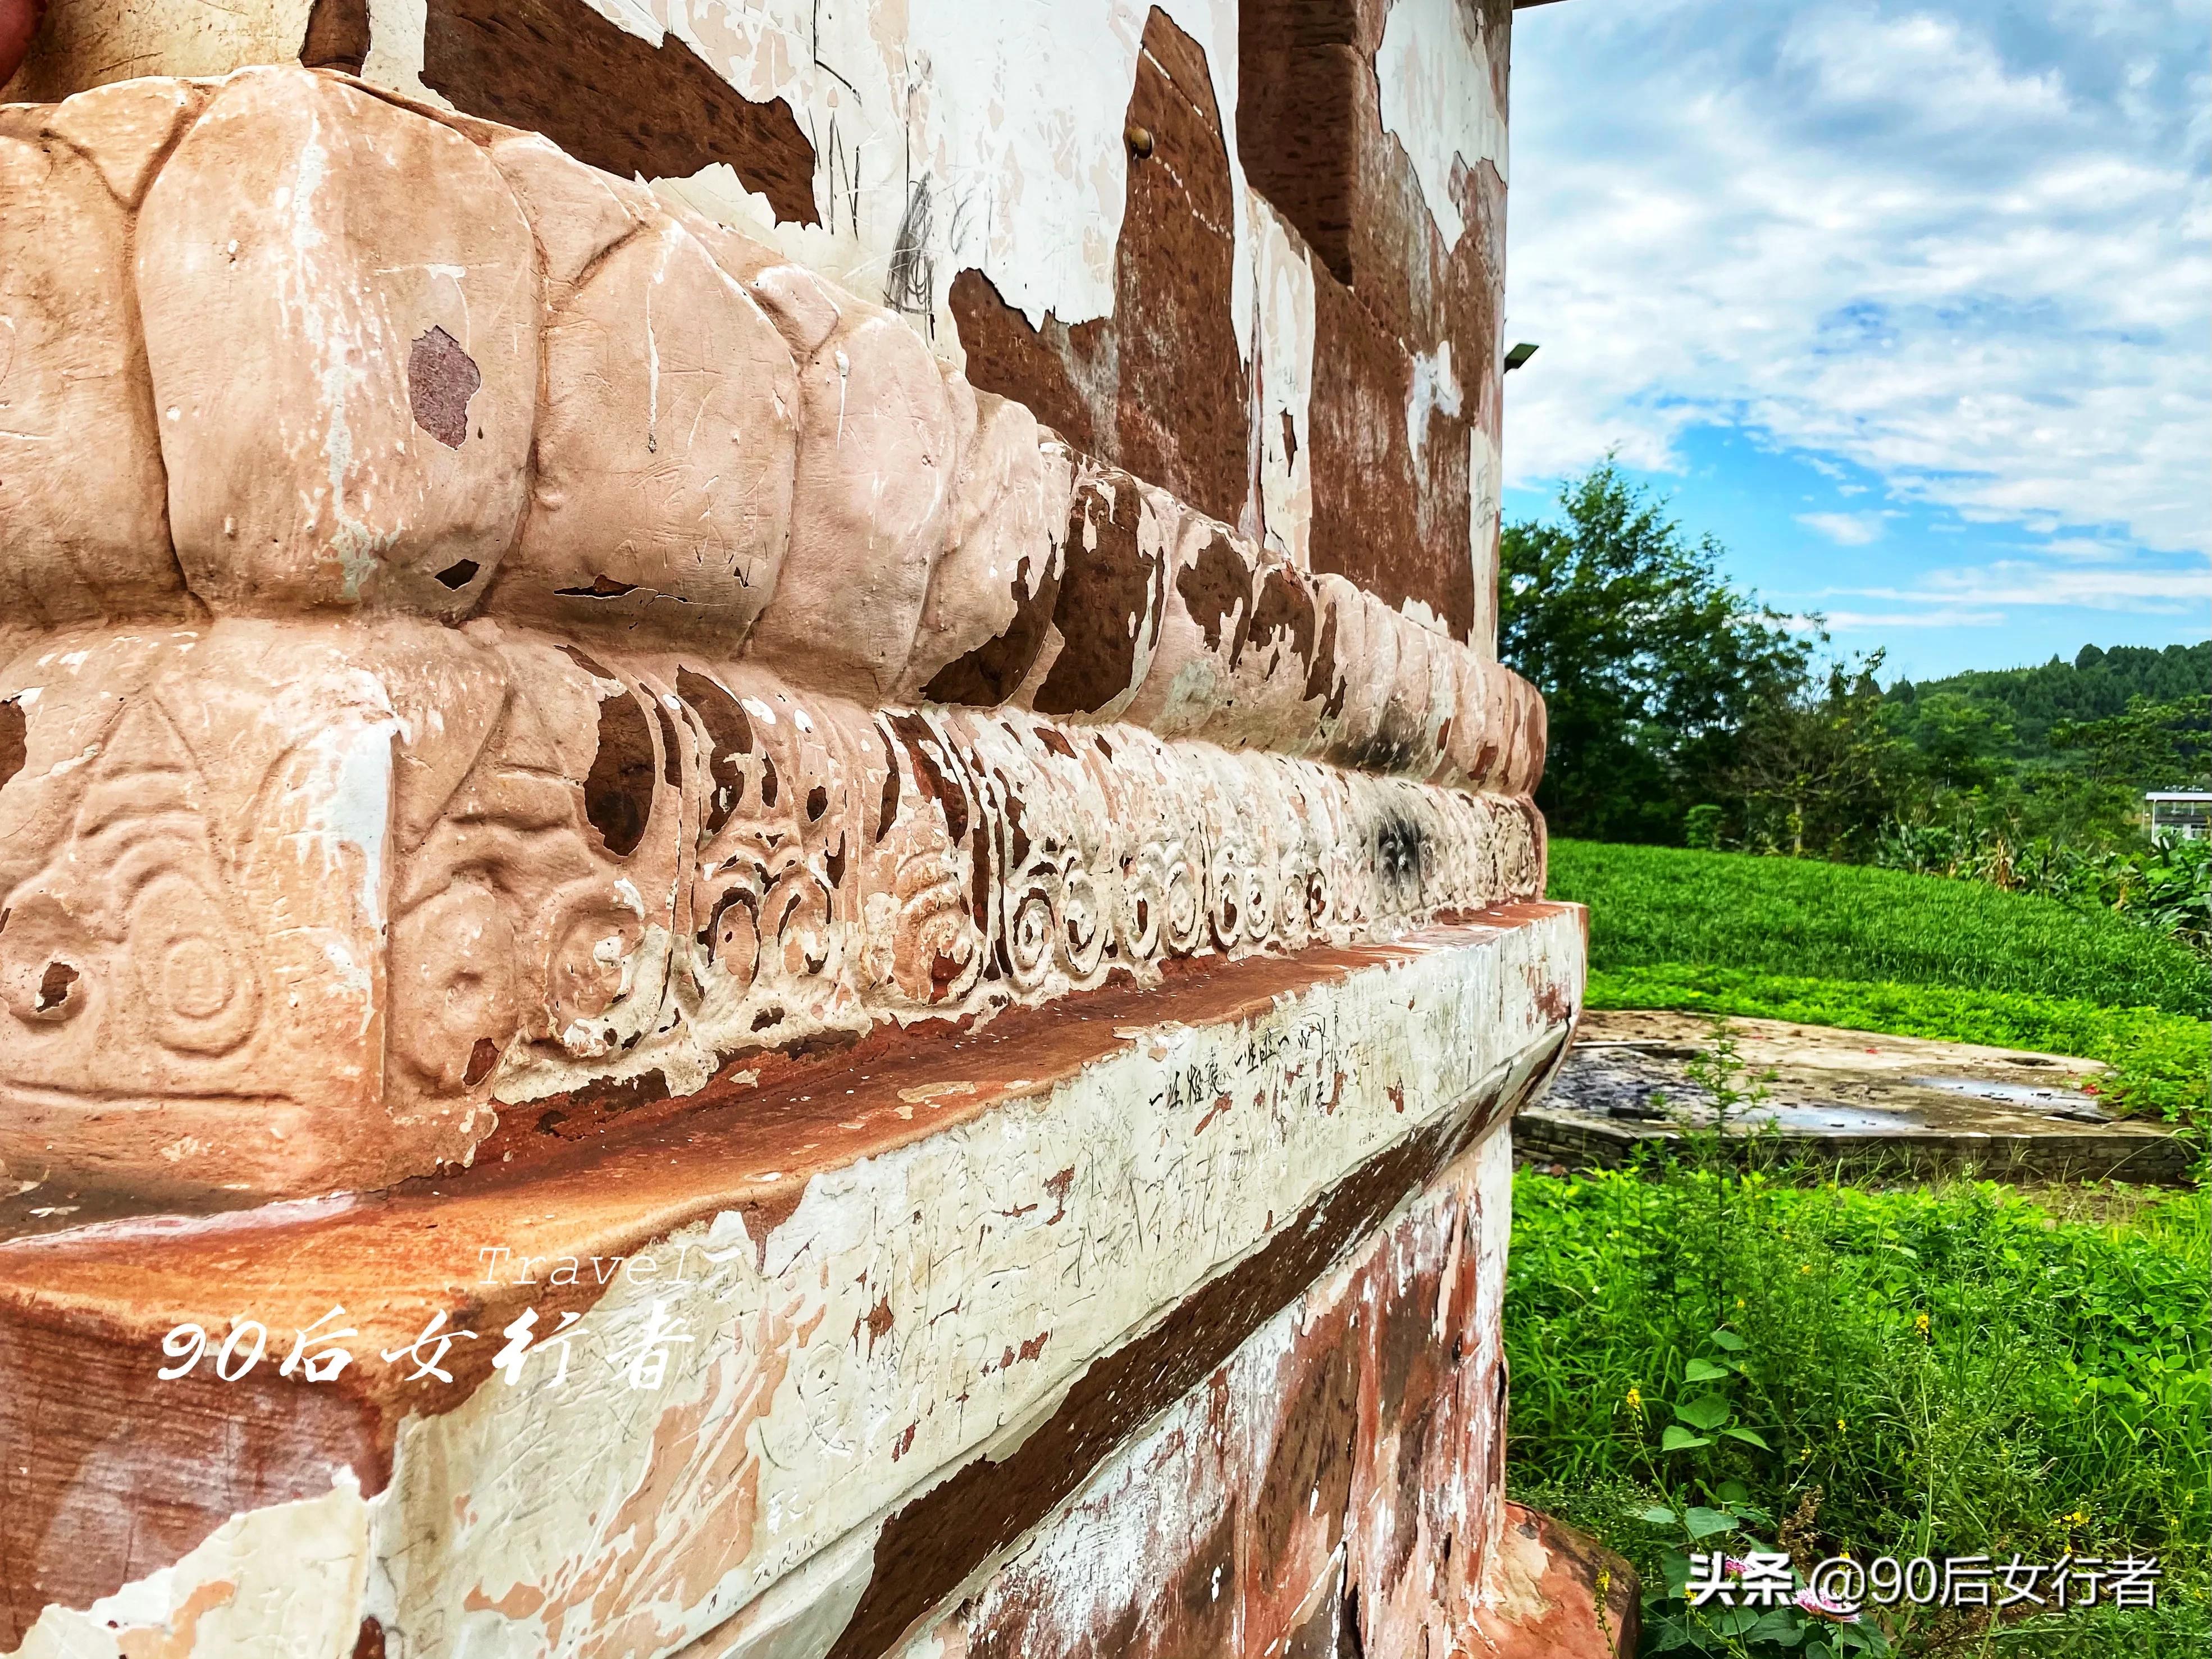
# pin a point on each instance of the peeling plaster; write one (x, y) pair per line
(1436, 99)
(282, 1583)
(594, 1517)
(395, 49)
(855, 1355)
(1003, 119)
(1130, 1539)
(1284, 284)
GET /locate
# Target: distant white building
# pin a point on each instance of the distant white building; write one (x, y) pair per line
(2183, 812)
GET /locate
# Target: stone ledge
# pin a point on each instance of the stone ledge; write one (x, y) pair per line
(918, 1257)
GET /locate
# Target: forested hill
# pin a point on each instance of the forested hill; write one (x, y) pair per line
(2096, 685)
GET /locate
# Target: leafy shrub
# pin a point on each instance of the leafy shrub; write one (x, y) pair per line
(2165, 885)
(1950, 1370)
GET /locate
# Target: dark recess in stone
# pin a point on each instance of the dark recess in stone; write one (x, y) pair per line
(604, 95)
(603, 587)
(1401, 854)
(481, 1058)
(618, 789)
(15, 740)
(459, 573)
(729, 734)
(337, 37)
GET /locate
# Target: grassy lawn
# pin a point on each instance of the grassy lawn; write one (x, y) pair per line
(1700, 1352)
(1802, 917)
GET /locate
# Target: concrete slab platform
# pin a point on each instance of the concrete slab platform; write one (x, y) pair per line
(1862, 1102)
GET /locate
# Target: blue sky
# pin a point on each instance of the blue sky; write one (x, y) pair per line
(1908, 305)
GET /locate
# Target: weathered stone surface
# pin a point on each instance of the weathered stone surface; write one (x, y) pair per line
(344, 382)
(611, 99)
(125, 128)
(684, 477)
(437, 869)
(1010, 510)
(1403, 413)
(196, 876)
(883, 434)
(1855, 1101)
(1111, 596)
(950, 922)
(663, 489)
(81, 47)
(576, 214)
(1556, 1593)
(931, 1287)
(19, 26)
(81, 483)
(1160, 387)
(1325, 1490)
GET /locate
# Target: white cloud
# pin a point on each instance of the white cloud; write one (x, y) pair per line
(1844, 529)
(1844, 622)
(1966, 250)
(2175, 591)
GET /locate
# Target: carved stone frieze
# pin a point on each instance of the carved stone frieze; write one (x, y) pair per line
(298, 904)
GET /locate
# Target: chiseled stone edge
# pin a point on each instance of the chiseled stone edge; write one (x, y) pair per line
(489, 1518)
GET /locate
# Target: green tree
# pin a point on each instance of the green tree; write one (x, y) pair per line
(2151, 746)
(1963, 742)
(1819, 771)
(1650, 664)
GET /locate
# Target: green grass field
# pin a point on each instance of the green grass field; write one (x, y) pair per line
(1911, 956)
(1802, 917)
(1949, 1368)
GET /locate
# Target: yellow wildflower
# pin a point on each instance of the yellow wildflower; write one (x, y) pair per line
(1920, 1323)
(1635, 1399)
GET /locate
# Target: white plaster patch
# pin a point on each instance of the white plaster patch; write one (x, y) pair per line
(1285, 294)
(395, 49)
(1484, 476)
(282, 1583)
(947, 134)
(1124, 1538)
(1434, 391)
(1437, 100)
